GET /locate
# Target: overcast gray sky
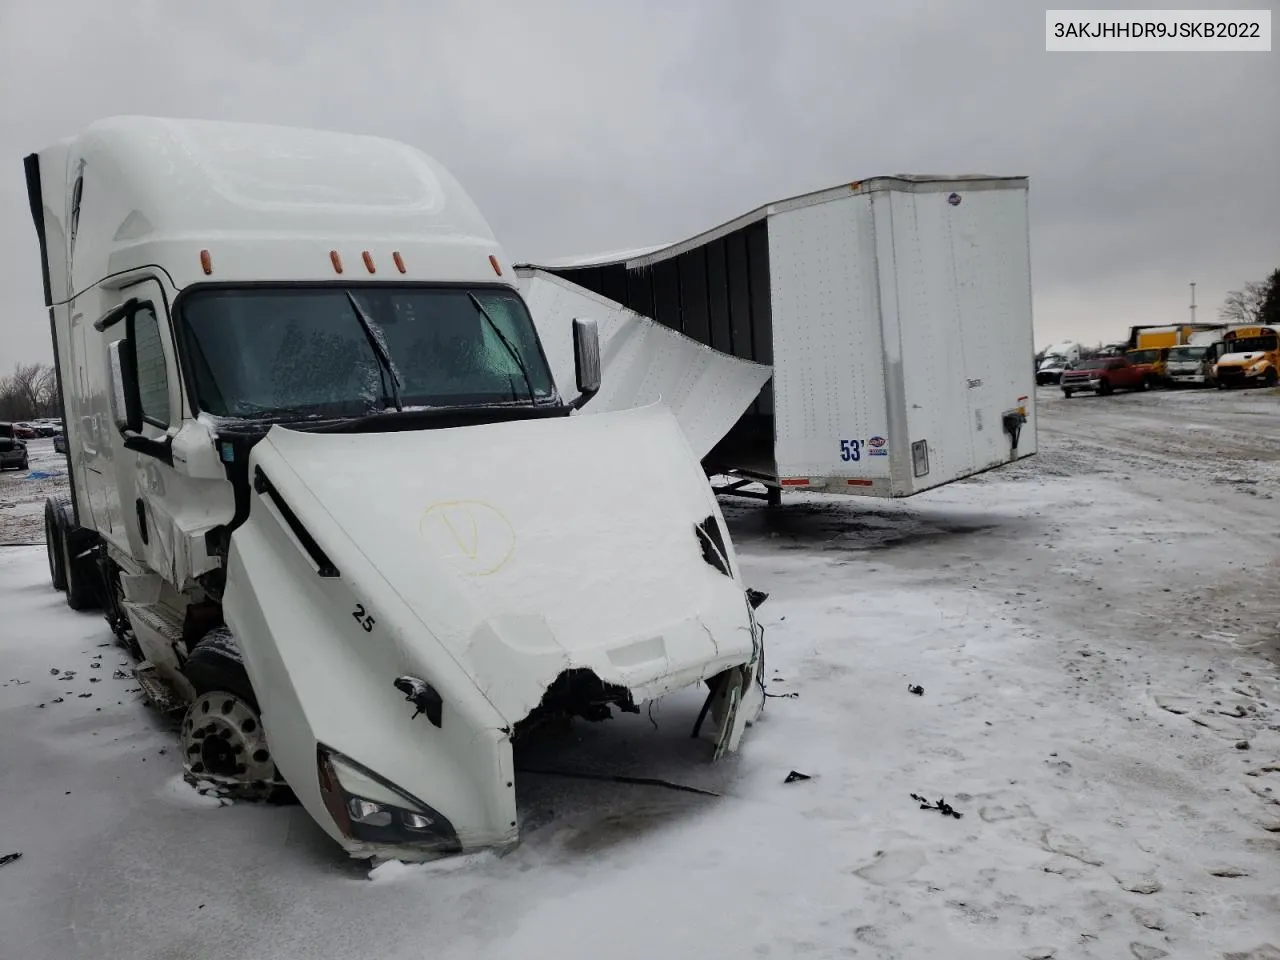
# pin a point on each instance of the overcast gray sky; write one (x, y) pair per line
(584, 125)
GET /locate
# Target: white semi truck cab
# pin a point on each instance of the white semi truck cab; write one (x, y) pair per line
(325, 489)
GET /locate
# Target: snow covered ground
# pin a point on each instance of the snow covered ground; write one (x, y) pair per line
(1096, 634)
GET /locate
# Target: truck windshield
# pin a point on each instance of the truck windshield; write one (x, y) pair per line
(1252, 344)
(314, 351)
(1188, 353)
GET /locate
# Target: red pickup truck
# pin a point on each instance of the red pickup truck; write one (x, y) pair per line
(1104, 375)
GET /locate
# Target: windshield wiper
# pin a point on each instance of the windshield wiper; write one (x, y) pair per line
(515, 355)
(373, 333)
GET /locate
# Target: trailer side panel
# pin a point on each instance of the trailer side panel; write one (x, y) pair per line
(829, 379)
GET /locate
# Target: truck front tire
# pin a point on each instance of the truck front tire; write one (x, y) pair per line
(215, 664)
(224, 694)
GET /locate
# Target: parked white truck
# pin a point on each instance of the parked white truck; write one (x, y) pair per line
(895, 313)
(1192, 363)
(325, 488)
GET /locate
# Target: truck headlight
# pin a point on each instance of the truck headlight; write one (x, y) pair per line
(370, 809)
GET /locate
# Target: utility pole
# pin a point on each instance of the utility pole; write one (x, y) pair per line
(1193, 302)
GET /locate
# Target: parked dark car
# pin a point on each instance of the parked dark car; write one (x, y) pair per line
(13, 452)
(1104, 375)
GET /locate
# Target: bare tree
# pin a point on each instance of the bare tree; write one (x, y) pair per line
(30, 391)
(47, 392)
(1244, 306)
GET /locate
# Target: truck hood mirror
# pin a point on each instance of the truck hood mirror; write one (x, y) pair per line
(586, 360)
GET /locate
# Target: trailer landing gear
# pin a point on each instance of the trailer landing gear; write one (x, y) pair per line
(737, 488)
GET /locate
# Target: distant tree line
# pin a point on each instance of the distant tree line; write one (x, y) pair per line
(1257, 302)
(31, 391)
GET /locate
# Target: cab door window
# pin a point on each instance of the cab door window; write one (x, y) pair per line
(153, 373)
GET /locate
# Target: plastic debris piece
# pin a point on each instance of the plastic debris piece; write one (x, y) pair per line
(941, 806)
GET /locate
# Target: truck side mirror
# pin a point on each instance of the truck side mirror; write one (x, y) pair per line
(122, 370)
(586, 360)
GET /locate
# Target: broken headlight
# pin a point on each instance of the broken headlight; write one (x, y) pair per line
(370, 809)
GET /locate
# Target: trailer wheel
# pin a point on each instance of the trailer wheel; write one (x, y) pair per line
(224, 745)
(55, 509)
(80, 573)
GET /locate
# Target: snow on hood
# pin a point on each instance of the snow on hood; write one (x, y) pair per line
(532, 546)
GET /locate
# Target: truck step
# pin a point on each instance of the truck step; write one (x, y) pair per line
(156, 619)
(157, 692)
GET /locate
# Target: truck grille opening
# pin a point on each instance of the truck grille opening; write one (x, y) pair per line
(605, 784)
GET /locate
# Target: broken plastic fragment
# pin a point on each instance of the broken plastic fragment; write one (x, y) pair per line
(941, 806)
(793, 776)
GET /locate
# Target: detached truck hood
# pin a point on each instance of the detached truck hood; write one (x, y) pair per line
(483, 564)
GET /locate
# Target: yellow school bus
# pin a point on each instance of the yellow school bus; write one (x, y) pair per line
(1249, 355)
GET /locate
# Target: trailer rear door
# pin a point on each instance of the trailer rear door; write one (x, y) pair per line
(962, 274)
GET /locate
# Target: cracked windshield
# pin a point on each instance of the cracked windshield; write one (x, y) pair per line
(348, 351)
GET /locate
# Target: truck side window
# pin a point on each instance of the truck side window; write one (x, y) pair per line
(153, 375)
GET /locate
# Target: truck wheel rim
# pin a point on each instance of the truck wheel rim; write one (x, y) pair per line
(224, 746)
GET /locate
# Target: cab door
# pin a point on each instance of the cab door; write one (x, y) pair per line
(152, 492)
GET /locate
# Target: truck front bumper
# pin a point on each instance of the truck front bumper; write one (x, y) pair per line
(1081, 384)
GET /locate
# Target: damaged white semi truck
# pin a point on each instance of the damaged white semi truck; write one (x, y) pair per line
(326, 490)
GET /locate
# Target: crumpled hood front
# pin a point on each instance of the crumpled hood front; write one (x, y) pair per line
(530, 547)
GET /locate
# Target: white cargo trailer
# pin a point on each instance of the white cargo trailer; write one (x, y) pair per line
(895, 313)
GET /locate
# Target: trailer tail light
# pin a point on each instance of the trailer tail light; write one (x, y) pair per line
(368, 261)
(336, 261)
(206, 262)
(493, 262)
(858, 482)
(398, 261)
